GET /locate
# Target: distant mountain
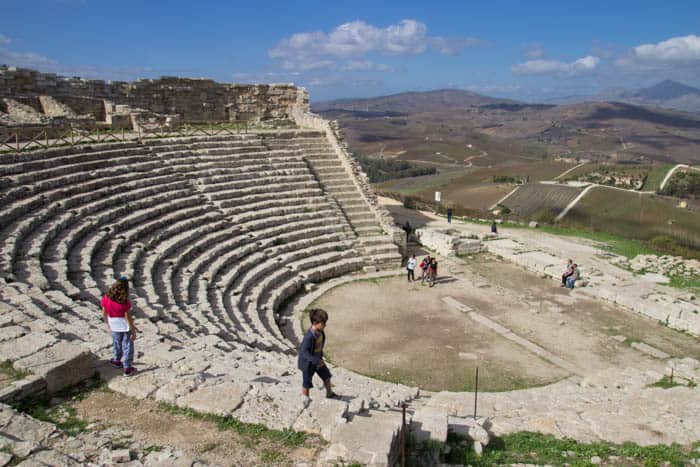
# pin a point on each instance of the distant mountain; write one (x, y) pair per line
(667, 94)
(666, 90)
(414, 102)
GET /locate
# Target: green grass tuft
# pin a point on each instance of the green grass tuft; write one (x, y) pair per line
(11, 372)
(289, 438)
(62, 415)
(537, 448)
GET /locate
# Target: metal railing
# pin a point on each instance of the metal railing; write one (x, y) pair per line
(45, 139)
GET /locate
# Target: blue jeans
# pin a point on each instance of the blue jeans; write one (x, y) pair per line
(123, 346)
(570, 281)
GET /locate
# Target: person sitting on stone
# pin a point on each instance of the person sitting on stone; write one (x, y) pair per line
(567, 272)
(116, 310)
(311, 355)
(573, 277)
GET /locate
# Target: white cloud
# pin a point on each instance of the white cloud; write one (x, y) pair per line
(676, 49)
(26, 60)
(544, 67)
(4, 40)
(365, 65)
(42, 63)
(355, 39)
(452, 45)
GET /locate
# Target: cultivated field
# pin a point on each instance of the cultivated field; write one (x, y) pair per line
(535, 198)
(473, 188)
(637, 216)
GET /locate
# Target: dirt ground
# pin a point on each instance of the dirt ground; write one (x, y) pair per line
(399, 331)
(153, 425)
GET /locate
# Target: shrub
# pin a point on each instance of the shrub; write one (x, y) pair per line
(410, 202)
(545, 216)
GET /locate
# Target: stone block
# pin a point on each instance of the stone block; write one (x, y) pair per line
(430, 423)
(222, 399)
(26, 345)
(321, 416)
(651, 351)
(61, 365)
(371, 440)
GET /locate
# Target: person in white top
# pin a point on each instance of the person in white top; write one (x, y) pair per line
(411, 266)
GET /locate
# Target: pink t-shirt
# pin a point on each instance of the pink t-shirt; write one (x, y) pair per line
(116, 314)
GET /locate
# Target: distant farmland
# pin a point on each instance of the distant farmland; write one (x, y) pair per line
(534, 198)
(633, 215)
(472, 188)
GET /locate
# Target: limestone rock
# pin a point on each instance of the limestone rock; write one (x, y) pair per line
(26, 345)
(61, 365)
(222, 399)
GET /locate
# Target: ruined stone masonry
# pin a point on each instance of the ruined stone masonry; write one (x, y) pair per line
(30, 98)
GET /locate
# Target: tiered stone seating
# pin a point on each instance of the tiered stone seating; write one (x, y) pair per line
(87, 216)
(216, 234)
(376, 247)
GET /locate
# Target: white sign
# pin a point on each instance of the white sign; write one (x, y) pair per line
(438, 195)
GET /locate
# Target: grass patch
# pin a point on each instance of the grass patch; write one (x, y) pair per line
(11, 372)
(665, 383)
(151, 449)
(253, 431)
(655, 177)
(691, 283)
(536, 448)
(63, 415)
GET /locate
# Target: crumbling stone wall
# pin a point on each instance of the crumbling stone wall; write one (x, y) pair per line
(194, 100)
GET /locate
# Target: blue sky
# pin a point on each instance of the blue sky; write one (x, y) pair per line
(531, 50)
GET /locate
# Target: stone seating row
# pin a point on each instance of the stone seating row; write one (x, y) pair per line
(129, 237)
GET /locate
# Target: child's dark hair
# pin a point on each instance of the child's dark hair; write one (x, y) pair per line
(119, 292)
(318, 315)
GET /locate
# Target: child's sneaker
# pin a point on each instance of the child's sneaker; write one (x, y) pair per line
(129, 371)
(306, 401)
(332, 395)
(115, 363)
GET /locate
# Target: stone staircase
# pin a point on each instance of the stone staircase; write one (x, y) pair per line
(376, 246)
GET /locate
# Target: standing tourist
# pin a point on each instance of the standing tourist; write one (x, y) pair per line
(116, 310)
(424, 268)
(311, 355)
(449, 215)
(410, 267)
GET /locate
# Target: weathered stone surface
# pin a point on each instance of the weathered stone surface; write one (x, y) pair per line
(321, 416)
(371, 440)
(649, 350)
(25, 345)
(120, 455)
(430, 424)
(222, 399)
(61, 365)
(12, 332)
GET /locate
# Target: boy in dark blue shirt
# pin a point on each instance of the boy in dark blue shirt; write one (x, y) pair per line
(311, 355)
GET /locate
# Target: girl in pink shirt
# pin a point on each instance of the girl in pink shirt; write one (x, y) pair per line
(116, 310)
